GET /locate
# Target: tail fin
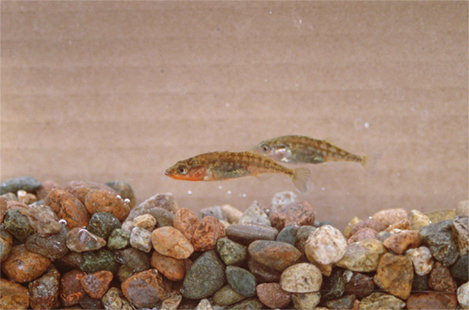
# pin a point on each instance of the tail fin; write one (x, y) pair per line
(300, 176)
(370, 161)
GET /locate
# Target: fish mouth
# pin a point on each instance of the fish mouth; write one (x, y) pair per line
(166, 172)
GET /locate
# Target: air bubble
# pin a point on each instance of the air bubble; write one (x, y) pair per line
(219, 187)
(367, 125)
(228, 192)
(127, 200)
(62, 221)
(244, 195)
(189, 192)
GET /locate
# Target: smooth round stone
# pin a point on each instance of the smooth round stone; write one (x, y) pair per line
(98, 200)
(114, 299)
(146, 289)
(232, 214)
(463, 295)
(145, 221)
(394, 275)
(272, 295)
(431, 300)
(14, 296)
(101, 259)
(381, 301)
(171, 242)
(421, 259)
(232, 253)
(207, 233)
(441, 280)
(43, 220)
(302, 236)
(333, 286)
(390, 216)
(172, 268)
(204, 277)
(418, 220)
(97, 284)
(136, 260)
(377, 226)
(71, 291)
(227, 296)
(241, 280)
(350, 225)
(403, 240)
(282, 199)
(217, 212)
(81, 240)
(326, 245)
(44, 291)
(24, 266)
(254, 215)
(118, 239)
(362, 256)
(306, 301)
(288, 234)
(53, 247)
(140, 239)
(186, 222)
(439, 239)
(301, 278)
(460, 269)
(80, 189)
(204, 304)
(124, 190)
(68, 208)
(250, 303)
(345, 302)
(363, 234)
(461, 234)
(297, 213)
(263, 273)
(26, 183)
(245, 234)
(6, 242)
(102, 224)
(359, 285)
(274, 254)
(17, 223)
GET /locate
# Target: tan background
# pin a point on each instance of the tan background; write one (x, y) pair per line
(100, 91)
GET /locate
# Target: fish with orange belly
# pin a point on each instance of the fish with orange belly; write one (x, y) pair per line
(218, 166)
(301, 149)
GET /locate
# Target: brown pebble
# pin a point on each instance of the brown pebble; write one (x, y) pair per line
(172, 268)
(272, 295)
(171, 242)
(441, 279)
(431, 300)
(13, 295)
(363, 234)
(297, 213)
(98, 200)
(44, 291)
(207, 233)
(3, 208)
(402, 225)
(394, 275)
(24, 266)
(186, 222)
(68, 207)
(46, 188)
(400, 242)
(80, 189)
(261, 272)
(146, 289)
(360, 285)
(274, 254)
(367, 224)
(71, 290)
(97, 283)
(390, 216)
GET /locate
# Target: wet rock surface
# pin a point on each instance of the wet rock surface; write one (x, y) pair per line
(245, 234)
(274, 254)
(102, 224)
(326, 245)
(146, 289)
(23, 266)
(241, 281)
(439, 239)
(272, 295)
(68, 207)
(44, 291)
(394, 275)
(232, 253)
(14, 296)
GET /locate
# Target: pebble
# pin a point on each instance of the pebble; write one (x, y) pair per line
(172, 302)
(97, 283)
(301, 278)
(362, 256)
(186, 222)
(381, 301)
(375, 225)
(101, 259)
(80, 189)
(232, 214)
(390, 216)
(263, 273)
(171, 242)
(241, 281)
(204, 304)
(439, 239)
(282, 199)
(441, 215)
(441, 279)
(46, 188)
(24, 266)
(348, 228)
(140, 238)
(302, 236)
(102, 224)
(463, 295)
(460, 269)
(227, 296)
(400, 242)
(118, 239)
(250, 303)
(288, 234)
(145, 221)
(71, 290)
(461, 234)
(306, 301)
(25, 197)
(274, 254)
(135, 260)
(124, 190)
(297, 213)
(98, 200)
(344, 303)
(53, 247)
(401, 225)
(204, 277)
(89, 303)
(3, 208)
(71, 260)
(26, 183)
(359, 285)
(326, 245)
(245, 234)
(13, 295)
(231, 253)
(217, 212)
(81, 240)
(272, 295)
(418, 220)
(172, 268)
(43, 220)
(421, 259)
(44, 291)
(68, 207)
(383, 235)
(145, 289)
(17, 223)
(463, 208)
(420, 283)
(431, 300)
(9, 197)
(6, 242)
(207, 233)
(114, 300)
(363, 234)
(254, 215)
(333, 286)
(394, 275)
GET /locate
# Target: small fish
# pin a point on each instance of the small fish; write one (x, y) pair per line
(228, 165)
(301, 149)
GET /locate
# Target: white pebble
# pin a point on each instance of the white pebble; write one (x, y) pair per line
(463, 295)
(421, 259)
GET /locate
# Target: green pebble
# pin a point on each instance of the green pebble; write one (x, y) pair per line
(102, 224)
(242, 281)
(26, 183)
(288, 234)
(17, 223)
(232, 253)
(248, 304)
(227, 296)
(118, 239)
(102, 259)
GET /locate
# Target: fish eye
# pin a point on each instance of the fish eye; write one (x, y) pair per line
(265, 147)
(182, 170)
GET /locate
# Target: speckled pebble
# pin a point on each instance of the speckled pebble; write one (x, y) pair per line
(400, 242)
(418, 220)
(204, 304)
(363, 234)
(97, 283)
(326, 245)
(13, 295)
(207, 233)
(172, 268)
(394, 275)
(301, 278)
(250, 303)
(98, 200)
(390, 216)
(431, 300)
(297, 213)
(441, 215)
(124, 190)
(24, 266)
(343, 303)
(241, 281)
(362, 256)
(118, 239)
(145, 289)
(71, 290)
(171, 242)
(272, 295)
(68, 208)
(44, 291)
(227, 296)
(360, 285)
(439, 239)
(381, 301)
(441, 280)
(302, 236)
(401, 225)
(232, 214)
(101, 259)
(186, 222)
(333, 286)
(81, 240)
(422, 260)
(17, 223)
(288, 234)
(306, 301)
(460, 269)
(26, 183)
(43, 220)
(254, 215)
(232, 253)
(145, 221)
(245, 234)
(114, 300)
(274, 254)
(172, 302)
(53, 247)
(140, 238)
(134, 259)
(375, 225)
(463, 295)
(217, 212)
(6, 242)
(102, 224)
(461, 234)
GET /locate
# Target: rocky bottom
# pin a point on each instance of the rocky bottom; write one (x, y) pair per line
(87, 246)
